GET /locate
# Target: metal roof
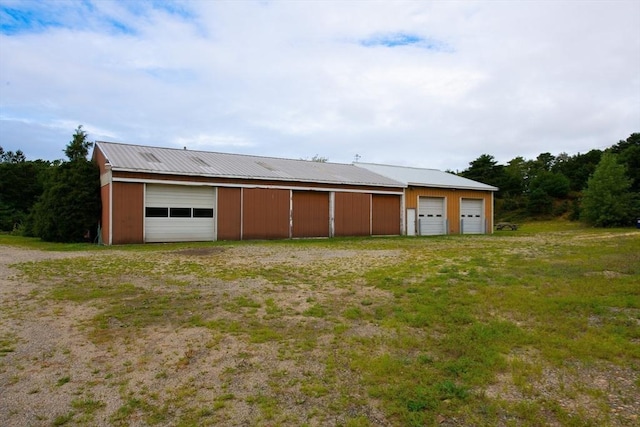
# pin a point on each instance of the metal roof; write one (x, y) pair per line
(139, 158)
(425, 177)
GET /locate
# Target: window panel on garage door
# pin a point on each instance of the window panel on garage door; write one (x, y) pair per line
(169, 213)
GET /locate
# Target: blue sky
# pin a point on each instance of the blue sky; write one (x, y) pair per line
(428, 84)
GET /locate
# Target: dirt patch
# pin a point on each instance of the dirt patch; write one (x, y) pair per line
(60, 368)
(192, 342)
(576, 387)
(200, 251)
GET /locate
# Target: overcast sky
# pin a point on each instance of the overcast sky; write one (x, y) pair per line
(427, 84)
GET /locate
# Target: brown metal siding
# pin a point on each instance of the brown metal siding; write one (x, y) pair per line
(265, 213)
(128, 206)
(229, 208)
(98, 158)
(250, 182)
(310, 214)
(453, 203)
(385, 214)
(352, 214)
(104, 218)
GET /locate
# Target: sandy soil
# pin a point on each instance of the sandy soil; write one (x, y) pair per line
(54, 370)
(53, 373)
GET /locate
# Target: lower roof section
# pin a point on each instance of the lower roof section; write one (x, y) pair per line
(410, 176)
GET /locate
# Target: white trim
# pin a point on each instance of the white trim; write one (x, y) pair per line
(144, 217)
(273, 187)
(403, 225)
(491, 219)
(110, 237)
(370, 214)
(291, 214)
(332, 213)
(215, 214)
(241, 213)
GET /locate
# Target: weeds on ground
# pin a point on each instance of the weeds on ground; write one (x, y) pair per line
(413, 331)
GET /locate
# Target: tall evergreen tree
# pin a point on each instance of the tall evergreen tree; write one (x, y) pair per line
(69, 208)
(78, 147)
(607, 200)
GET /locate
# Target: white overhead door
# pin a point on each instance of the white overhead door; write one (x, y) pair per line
(431, 216)
(471, 218)
(179, 213)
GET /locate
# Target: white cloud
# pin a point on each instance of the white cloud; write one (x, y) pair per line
(431, 84)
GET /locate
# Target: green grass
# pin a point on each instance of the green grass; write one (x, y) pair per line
(423, 327)
(7, 344)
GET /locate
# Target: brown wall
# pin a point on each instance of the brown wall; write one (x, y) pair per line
(98, 159)
(453, 203)
(352, 215)
(128, 205)
(385, 215)
(104, 217)
(265, 213)
(252, 182)
(310, 214)
(229, 218)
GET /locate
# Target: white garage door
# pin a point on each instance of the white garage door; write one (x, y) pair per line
(471, 218)
(179, 213)
(431, 216)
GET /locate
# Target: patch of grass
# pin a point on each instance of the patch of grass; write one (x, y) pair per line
(7, 344)
(422, 326)
(63, 419)
(87, 406)
(63, 380)
(315, 310)
(152, 413)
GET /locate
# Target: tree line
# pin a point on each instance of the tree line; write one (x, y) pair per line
(57, 201)
(600, 187)
(60, 200)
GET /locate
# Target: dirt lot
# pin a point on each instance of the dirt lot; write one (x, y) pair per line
(57, 374)
(65, 362)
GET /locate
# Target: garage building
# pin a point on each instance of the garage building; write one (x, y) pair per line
(439, 203)
(152, 194)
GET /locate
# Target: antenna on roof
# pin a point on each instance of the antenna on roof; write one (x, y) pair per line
(357, 157)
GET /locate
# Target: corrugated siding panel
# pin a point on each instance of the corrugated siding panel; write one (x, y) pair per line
(128, 201)
(229, 213)
(352, 214)
(265, 213)
(385, 215)
(104, 218)
(249, 182)
(310, 214)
